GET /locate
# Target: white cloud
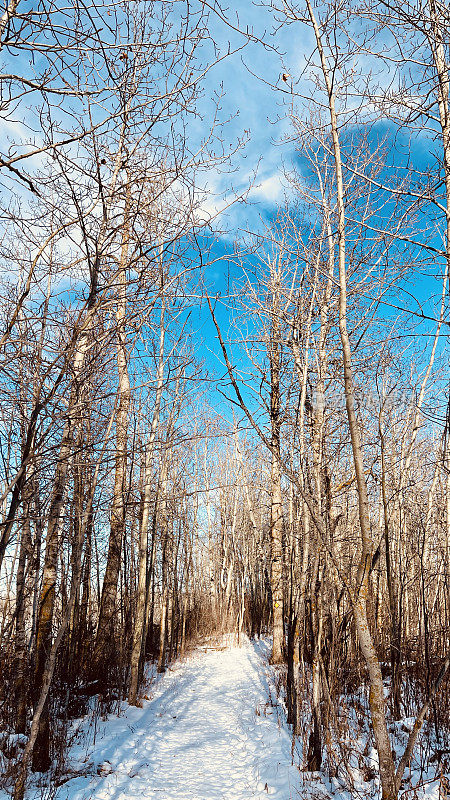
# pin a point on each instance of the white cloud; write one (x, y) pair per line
(270, 190)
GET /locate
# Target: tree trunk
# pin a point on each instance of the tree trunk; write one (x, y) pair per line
(276, 508)
(140, 625)
(104, 660)
(361, 589)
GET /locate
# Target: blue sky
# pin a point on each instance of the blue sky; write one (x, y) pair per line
(253, 86)
(255, 100)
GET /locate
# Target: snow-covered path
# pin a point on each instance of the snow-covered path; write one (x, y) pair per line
(209, 732)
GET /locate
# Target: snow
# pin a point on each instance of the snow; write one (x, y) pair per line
(209, 732)
(212, 728)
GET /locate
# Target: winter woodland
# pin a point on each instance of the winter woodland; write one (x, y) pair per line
(224, 399)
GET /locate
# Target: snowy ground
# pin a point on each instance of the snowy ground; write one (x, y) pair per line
(211, 728)
(209, 732)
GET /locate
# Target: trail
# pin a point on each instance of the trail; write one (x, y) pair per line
(209, 732)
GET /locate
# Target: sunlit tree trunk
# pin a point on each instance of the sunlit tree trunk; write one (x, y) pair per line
(105, 644)
(361, 589)
(276, 496)
(140, 626)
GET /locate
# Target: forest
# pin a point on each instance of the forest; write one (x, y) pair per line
(224, 386)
